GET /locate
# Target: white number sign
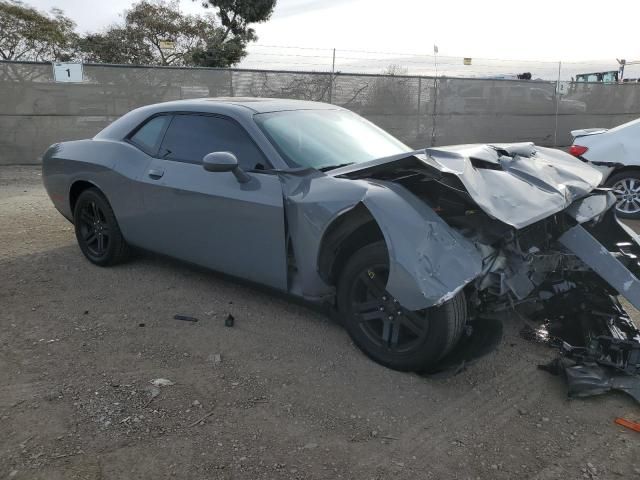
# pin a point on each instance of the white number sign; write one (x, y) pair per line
(67, 72)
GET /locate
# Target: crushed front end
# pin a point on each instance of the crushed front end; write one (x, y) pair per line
(547, 239)
(567, 269)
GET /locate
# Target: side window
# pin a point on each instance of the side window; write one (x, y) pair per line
(149, 136)
(190, 137)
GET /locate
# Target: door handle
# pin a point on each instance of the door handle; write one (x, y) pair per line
(155, 174)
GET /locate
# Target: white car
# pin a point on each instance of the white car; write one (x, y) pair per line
(616, 152)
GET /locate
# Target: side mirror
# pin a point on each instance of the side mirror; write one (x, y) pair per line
(224, 162)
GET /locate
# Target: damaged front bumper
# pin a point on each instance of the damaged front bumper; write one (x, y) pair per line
(585, 239)
(599, 343)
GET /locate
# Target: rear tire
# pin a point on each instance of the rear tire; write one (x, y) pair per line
(382, 328)
(626, 187)
(97, 231)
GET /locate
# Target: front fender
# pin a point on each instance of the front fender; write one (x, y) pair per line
(430, 262)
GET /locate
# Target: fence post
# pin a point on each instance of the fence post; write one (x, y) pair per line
(333, 72)
(433, 115)
(418, 129)
(231, 83)
(555, 133)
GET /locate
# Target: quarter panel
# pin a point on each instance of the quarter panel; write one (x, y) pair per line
(113, 167)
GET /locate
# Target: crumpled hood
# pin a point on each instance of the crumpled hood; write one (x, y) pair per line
(518, 184)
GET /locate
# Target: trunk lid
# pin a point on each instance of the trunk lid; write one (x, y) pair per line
(586, 132)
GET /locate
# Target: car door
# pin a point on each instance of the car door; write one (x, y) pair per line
(210, 218)
(132, 160)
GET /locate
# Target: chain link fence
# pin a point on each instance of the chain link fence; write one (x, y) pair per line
(35, 111)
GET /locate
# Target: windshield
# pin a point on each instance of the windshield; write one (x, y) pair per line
(325, 139)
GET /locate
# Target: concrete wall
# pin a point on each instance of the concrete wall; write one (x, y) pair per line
(36, 112)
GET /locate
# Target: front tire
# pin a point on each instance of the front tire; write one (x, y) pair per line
(626, 187)
(385, 331)
(97, 230)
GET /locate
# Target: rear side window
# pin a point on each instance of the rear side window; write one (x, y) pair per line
(149, 136)
(190, 137)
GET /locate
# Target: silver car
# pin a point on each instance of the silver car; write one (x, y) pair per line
(412, 248)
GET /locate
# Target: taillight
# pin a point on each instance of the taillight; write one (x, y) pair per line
(577, 150)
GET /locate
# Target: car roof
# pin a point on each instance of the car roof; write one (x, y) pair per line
(255, 104)
(235, 107)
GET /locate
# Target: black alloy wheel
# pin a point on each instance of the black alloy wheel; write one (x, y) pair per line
(382, 319)
(97, 230)
(382, 328)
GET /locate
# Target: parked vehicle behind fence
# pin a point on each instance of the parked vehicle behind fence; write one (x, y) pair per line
(616, 153)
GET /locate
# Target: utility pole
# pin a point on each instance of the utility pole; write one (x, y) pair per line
(555, 132)
(435, 58)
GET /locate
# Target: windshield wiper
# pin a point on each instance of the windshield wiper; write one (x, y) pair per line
(332, 167)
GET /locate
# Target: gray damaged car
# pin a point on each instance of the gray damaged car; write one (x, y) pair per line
(412, 248)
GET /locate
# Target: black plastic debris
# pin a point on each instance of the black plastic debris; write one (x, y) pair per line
(228, 322)
(606, 364)
(185, 318)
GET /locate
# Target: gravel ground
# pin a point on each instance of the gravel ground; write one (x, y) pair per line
(282, 394)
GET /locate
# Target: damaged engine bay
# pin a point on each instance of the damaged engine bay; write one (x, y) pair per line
(564, 271)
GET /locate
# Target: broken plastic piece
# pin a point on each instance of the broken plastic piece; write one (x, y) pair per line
(162, 382)
(228, 322)
(185, 318)
(635, 426)
(605, 364)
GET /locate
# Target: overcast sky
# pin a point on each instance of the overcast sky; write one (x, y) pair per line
(568, 30)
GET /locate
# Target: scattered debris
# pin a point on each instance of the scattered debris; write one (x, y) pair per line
(599, 344)
(228, 322)
(141, 324)
(185, 318)
(153, 391)
(162, 382)
(201, 419)
(606, 364)
(635, 426)
(215, 358)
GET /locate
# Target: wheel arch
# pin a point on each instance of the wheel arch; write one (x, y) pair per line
(347, 233)
(625, 169)
(76, 188)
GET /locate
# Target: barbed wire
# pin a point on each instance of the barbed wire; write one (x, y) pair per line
(349, 60)
(375, 61)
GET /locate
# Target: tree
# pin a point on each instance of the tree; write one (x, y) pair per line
(27, 34)
(118, 45)
(229, 45)
(146, 26)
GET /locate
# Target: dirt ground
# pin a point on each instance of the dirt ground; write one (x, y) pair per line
(282, 394)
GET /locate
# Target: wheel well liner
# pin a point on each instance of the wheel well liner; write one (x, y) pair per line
(349, 232)
(626, 168)
(76, 189)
